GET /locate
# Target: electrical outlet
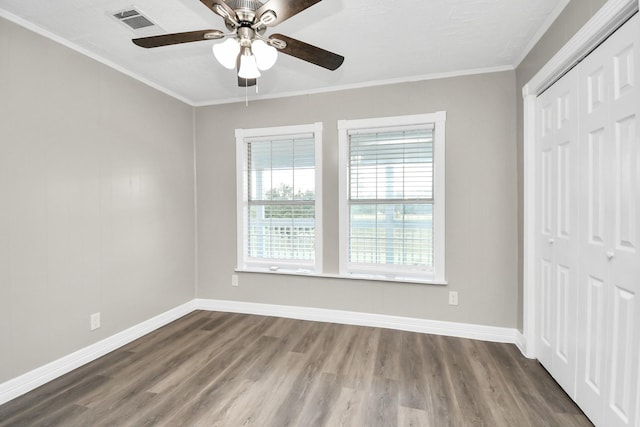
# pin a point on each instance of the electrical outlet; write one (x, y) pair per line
(234, 280)
(95, 321)
(453, 298)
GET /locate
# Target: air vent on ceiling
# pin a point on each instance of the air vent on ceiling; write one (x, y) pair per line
(133, 19)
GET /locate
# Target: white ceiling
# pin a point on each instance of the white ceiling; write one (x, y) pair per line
(382, 41)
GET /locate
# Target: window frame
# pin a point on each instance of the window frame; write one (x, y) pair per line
(243, 262)
(394, 273)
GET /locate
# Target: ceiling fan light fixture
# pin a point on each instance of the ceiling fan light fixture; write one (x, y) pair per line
(266, 55)
(248, 67)
(227, 53)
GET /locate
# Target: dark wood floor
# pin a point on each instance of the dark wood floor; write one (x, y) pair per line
(221, 369)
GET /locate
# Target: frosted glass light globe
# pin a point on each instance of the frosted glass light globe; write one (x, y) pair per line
(266, 55)
(227, 53)
(248, 68)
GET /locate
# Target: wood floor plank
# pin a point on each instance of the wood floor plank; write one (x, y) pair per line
(411, 417)
(40, 409)
(213, 394)
(381, 403)
(209, 381)
(321, 399)
(493, 386)
(202, 374)
(388, 355)
(270, 352)
(534, 391)
(164, 335)
(257, 407)
(413, 393)
(55, 388)
(224, 370)
(210, 345)
(346, 346)
(348, 408)
(308, 338)
(473, 406)
(291, 406)
(64, 416)
(442, 402)
(243, 405)
(117, 413)
(358, 370)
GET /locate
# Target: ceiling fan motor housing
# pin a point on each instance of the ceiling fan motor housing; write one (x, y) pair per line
(245, 10)
(244, 4)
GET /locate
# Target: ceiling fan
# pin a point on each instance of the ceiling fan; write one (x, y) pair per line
(247, 49)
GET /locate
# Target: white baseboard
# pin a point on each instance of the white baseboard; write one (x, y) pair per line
(436, 327)
(521, 343)
(29, 381)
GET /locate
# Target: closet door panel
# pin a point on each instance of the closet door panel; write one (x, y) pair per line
(546, 129)
(595, 235)
(624, 253)
(563, 365)
(557, 243)
(609, 314)
(593, 281)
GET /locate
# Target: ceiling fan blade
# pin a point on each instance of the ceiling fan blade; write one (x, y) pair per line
(242, 82)
(284, 9)
(306, 52)
(177, 38)
(219, 7)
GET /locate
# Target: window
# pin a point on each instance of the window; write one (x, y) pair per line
(392, 197)
(279, 198)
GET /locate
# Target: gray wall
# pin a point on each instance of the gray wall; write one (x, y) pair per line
(570, 21)
(96, 201)
(481, 231)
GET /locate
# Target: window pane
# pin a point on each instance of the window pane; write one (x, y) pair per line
(391, 165)
(282, 169)
(392, 234)
(281, 232)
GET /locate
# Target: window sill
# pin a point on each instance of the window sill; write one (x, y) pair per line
(369, 278)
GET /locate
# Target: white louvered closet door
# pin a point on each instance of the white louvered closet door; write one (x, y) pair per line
(557, 225)
(608, 374)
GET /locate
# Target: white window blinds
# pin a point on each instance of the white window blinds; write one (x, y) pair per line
(391, 198)
(281, 176)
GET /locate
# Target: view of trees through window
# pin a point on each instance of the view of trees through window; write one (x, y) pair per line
(284, 192)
